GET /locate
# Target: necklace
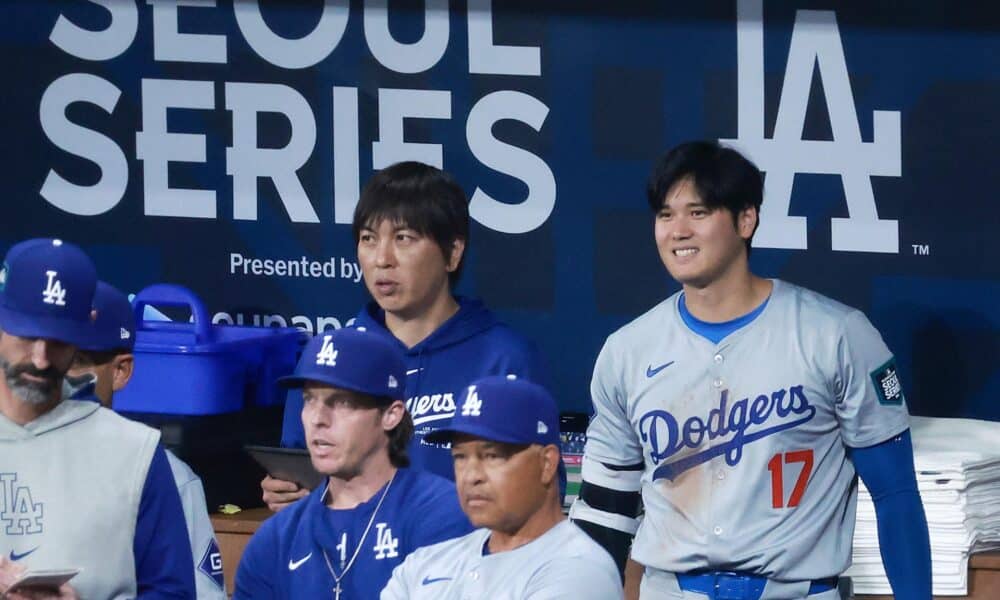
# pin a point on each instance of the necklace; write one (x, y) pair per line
(337, 589)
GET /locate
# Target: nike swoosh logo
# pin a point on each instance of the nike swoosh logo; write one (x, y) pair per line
(15, 556)
(651, 372)
(429, 580)
(412, 371)
(295, 564)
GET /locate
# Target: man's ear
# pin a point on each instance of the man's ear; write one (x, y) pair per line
(392, 415)
(746, 222)
(549, 456)
(121, 370)
(455, 257)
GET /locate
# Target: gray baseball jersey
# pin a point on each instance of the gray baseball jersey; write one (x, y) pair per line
(744, 442)
(208, 576)
(563, 563)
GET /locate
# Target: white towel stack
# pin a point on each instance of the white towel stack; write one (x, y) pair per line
(958, 474)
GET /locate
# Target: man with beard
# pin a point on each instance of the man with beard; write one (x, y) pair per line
(81, 488)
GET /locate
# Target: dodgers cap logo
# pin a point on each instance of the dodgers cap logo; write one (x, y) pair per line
(47, 291)
(504, 409)
(353, 360)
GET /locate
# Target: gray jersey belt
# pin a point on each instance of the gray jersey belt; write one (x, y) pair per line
(729, 585)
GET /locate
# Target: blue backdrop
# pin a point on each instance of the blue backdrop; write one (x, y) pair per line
(193, 144)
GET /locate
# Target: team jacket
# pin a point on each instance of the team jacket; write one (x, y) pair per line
(469, 345)
(292, 553)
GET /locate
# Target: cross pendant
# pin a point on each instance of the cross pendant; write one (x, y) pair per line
(336, 592)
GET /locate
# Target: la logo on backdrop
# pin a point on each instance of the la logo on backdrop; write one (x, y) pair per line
(815, 41)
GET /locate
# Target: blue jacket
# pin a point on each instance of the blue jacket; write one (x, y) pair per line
(288, 556)
(469, 345)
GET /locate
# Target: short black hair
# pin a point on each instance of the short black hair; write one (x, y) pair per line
(722, 177)
(421, 197)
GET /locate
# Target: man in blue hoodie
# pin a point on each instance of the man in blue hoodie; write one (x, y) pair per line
(411, 227)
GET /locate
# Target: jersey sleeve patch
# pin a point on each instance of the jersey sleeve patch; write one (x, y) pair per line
(211, 563)
(887, 384)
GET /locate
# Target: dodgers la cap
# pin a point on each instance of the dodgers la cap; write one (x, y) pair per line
(504, 409)
(46, 291)
(114, 327)
(352, 360)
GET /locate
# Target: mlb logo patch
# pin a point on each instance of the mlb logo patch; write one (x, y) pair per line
(888, 388)
(3, 276)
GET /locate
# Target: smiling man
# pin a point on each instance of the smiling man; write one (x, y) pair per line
(742, 408)
(505, 447)
(346, 536)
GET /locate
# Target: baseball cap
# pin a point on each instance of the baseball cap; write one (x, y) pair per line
(46, 291)
(114, 327)
(504, 409)
(352, 360)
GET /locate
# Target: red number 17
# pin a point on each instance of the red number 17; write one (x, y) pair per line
(777, 483)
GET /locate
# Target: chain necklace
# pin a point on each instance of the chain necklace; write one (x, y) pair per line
(337, 590)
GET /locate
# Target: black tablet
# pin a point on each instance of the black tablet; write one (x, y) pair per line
(288, 464)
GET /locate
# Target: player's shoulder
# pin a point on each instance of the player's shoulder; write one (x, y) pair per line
(126, 431)
(811, 306)
(569, 541)
(505, 338)
(427, 498)
(656, 319)
(183, 474)
(452, 550)
(423, 486)
(293, 517)
(476, 331)
(575, 565)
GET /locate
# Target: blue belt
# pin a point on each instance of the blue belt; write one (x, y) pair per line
(728, 585)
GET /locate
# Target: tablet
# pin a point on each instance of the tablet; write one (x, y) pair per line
(49, 579)
(288, 464)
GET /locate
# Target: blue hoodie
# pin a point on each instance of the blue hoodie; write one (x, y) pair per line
(469, 345)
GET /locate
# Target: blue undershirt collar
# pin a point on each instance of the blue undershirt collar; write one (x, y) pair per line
(715, 332)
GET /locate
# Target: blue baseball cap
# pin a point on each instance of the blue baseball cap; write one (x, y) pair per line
(354, 360)
(114, 328)
(504, 409)
(46, 291)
